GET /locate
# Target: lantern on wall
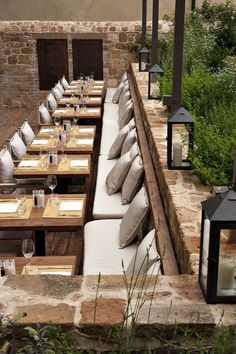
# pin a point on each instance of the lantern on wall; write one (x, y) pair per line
(180, 128)
(144, 56)
(217, 266)
(154, 74)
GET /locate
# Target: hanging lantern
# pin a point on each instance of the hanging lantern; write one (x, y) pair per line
(217, 266)
(154, 73)
(180, 126)
(144, 56)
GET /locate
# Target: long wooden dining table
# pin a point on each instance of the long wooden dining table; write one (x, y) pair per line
(80, 139)
(58, 217)
(67, 265)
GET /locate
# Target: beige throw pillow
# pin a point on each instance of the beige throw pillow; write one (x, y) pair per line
(17, 146)
(134, 151)
(129, 141)
(6, 166)
(134, 218)
(117, 175)
(44, 115)
(27, 133)
(124, 77)
(52, 103)
(123, 99)
(57, 93)
(131, 124)
(116, 96)
(145, 256)
(116, 147)
(64, 82)
(132, 181)
(126, 115)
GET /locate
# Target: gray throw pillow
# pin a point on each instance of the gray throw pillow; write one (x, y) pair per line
(6, 166)
(116, 147)
(132, 181)
(116, 96)
(117, 175)
(134, 218)
(126, 114)
(27, 133)
(129, 141)
(17, 146)
(145, 256)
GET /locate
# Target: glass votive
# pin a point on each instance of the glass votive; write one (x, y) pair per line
(21, 208)
(10, 266)
(53, 199)
(63, 157)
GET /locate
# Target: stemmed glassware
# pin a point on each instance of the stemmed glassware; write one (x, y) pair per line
(52, 182)
(27, 249)
(57, 121)
(21, 201)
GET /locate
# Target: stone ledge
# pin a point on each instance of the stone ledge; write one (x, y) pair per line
(173, 299)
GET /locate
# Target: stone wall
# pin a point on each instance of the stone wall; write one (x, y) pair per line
(18, 55)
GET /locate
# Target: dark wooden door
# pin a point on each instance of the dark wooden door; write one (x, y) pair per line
(87, 57)
(52, 61)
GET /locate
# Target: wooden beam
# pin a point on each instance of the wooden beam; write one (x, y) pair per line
(164, 242)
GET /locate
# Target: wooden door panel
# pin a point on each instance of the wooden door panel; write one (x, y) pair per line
(87, 57)
(52, 61)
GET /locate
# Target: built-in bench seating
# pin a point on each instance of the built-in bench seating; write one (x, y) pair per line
(103, 249)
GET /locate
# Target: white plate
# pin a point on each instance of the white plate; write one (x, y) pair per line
(8, 207)
(71, 206)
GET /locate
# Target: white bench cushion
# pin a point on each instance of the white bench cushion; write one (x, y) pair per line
(109, 94)
(101, 248)
(110, 112)
(110, 130)
(106, 206)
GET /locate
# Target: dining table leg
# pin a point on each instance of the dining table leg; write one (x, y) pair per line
(40, 249)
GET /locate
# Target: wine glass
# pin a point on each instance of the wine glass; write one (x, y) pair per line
(52, 182)
(57, 121)
(27, 249)
(21, 201)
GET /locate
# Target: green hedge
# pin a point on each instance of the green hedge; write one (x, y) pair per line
(209, 88)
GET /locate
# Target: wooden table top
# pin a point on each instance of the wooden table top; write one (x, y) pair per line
(45, 261)
(83, 113)
(81, 130)
(62, 169)
(36, 220)
(90, 101)
(81, 140)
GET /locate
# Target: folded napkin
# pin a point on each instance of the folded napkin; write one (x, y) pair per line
(95, 99)
(40, 142)
(60, 110)
(97, 82)
(86, 130)
(79, 163)
(6, 207)
(28, 163)
(96, 91)
(71, 206)
(84, 141)
(91, 110)
(55, 272)
(97, 87)
(46, 130)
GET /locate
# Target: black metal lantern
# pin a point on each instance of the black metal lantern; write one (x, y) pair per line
(180, 127)
(154, 73)
(144, 56)
(217, 266)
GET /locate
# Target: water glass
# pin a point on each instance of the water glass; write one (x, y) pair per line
(10, 266)
(53, 199)
(21, 201)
